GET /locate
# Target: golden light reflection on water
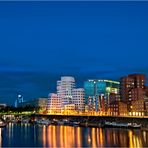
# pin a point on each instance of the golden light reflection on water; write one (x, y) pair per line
(49, 137)
(0, 137)
(61, 137)
(100, 137)
(54, 136)
(134, 140)
(94, 137)
(68, 136)
(144, 136)
(78, 140)
(130, 134)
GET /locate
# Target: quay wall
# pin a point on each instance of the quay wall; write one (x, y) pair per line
(97, 119)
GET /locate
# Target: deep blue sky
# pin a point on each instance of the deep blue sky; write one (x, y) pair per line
(39, 41)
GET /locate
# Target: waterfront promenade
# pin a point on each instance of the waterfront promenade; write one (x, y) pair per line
(95, 119)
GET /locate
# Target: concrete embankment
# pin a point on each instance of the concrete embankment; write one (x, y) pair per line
(97, 120)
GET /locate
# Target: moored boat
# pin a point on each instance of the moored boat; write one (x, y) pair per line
(43, 122)
(120, 125)
(74, 123)
(66, 121)
(134, 125)
(25, 121)
(60, 122)
(114, 124)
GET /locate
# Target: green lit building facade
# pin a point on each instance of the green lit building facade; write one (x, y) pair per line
(95, 88)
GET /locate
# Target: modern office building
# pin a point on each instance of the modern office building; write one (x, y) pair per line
(122, 108)
(126, 84)
(146, 100)
(114, 108)
(78, 99)
(136, 94)
(146, 105)
(139, 80)
(95, 88)
(103, 105)
(137, 108)
(54, 103)
(117, 108)
(114, 97)
(65, 87)
(131, 84)
(68, 98)
(69, 108)
(133, 91)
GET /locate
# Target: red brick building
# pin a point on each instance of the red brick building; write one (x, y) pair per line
(139, 80)
(114, 108)
(123, 109)
(118, 108)
(126, 84)
(136, 94)
(137, 108)
(132, 92)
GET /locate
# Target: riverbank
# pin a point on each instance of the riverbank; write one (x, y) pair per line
(86, 121)
(96, 120)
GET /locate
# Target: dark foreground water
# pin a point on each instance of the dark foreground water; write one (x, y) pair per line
(26, 135)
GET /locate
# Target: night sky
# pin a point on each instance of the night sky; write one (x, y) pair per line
(41, 41)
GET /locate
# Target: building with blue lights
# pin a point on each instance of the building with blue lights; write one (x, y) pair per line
(98, 92)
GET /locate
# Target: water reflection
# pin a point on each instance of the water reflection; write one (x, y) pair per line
(0, 137)
(68, 136)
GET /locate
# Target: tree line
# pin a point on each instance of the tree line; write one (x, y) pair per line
(27, 108)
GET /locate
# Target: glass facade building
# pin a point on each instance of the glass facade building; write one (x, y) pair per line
(95, 88)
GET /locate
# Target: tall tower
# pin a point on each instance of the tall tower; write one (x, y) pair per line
(19, 100)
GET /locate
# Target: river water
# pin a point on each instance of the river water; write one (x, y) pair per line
(26, 135)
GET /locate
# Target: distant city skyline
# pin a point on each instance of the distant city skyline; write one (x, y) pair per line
(42, 41)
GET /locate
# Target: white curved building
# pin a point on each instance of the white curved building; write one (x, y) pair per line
(65, 87)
